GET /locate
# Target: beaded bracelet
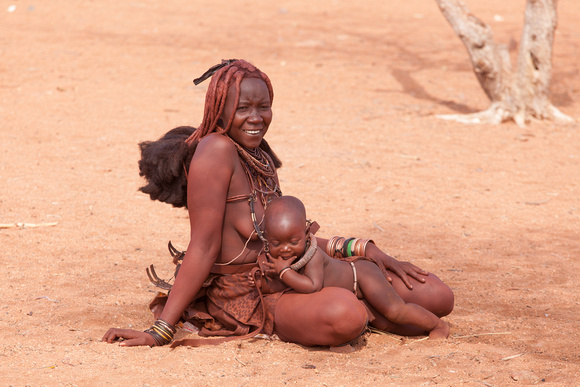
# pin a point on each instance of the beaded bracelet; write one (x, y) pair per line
(162, 332)
(361, 249)
(334, 246)
(330, 245)
(283, 271)
(345, 251)
(340, 247)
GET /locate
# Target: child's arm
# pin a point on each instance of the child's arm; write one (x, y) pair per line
(309, 282)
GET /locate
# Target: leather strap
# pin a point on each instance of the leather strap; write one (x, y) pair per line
(233, 269)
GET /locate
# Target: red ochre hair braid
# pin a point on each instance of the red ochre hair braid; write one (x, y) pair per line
(216, 95)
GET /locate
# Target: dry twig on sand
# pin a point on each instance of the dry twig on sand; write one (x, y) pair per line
(482, 334)
(27, 225)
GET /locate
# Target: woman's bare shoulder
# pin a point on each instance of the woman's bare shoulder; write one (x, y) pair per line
(215, 147)
(215, 142)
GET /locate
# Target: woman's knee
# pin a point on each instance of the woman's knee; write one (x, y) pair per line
(343, 314)
(333, 316)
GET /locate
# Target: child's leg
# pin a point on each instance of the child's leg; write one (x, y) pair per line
(381, 295)
(382, 323)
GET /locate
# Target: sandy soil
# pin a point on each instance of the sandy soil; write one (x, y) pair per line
(492, 210)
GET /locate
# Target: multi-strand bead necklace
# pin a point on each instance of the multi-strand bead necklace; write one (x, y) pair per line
(261, 171)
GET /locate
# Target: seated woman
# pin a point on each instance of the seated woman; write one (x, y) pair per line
(299, 263)
(224, 173)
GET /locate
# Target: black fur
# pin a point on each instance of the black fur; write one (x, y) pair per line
(164, 162)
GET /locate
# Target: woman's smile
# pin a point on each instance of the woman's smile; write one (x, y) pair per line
(251, 118)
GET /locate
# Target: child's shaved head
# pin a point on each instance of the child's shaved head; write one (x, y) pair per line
(285, 211)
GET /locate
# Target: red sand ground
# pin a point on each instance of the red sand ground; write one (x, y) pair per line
(492, 210)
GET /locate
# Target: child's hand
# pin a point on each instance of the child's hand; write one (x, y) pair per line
(255, 278)
(268, 267)
(251, 280)
(279, 263)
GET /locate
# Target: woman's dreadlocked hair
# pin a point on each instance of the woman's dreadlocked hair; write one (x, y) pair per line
(165, 163)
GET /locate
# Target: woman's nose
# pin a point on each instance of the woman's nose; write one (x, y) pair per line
(255, 116)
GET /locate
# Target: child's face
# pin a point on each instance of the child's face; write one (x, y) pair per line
(286, 240)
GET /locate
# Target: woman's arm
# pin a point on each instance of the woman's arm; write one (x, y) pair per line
(401, 269)
(386, 262)
(209, 177)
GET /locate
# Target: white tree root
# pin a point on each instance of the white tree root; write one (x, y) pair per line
(497, 114)
(556, 115)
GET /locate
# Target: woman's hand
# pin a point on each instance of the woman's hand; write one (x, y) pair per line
(130, 337)
(401, 269)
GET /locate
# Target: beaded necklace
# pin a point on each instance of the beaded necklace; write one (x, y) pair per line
(257, 159)
(311, 246)
(260, 171)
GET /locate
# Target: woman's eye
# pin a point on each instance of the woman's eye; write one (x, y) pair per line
(242, 108)
(295, 243)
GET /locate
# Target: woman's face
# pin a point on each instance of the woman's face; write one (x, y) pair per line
(253, 114)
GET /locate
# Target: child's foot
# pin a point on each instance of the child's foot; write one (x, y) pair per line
(441, 331)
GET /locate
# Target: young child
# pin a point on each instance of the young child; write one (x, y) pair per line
(289, 243)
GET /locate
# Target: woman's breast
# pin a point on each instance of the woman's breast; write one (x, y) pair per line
(240, 242)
